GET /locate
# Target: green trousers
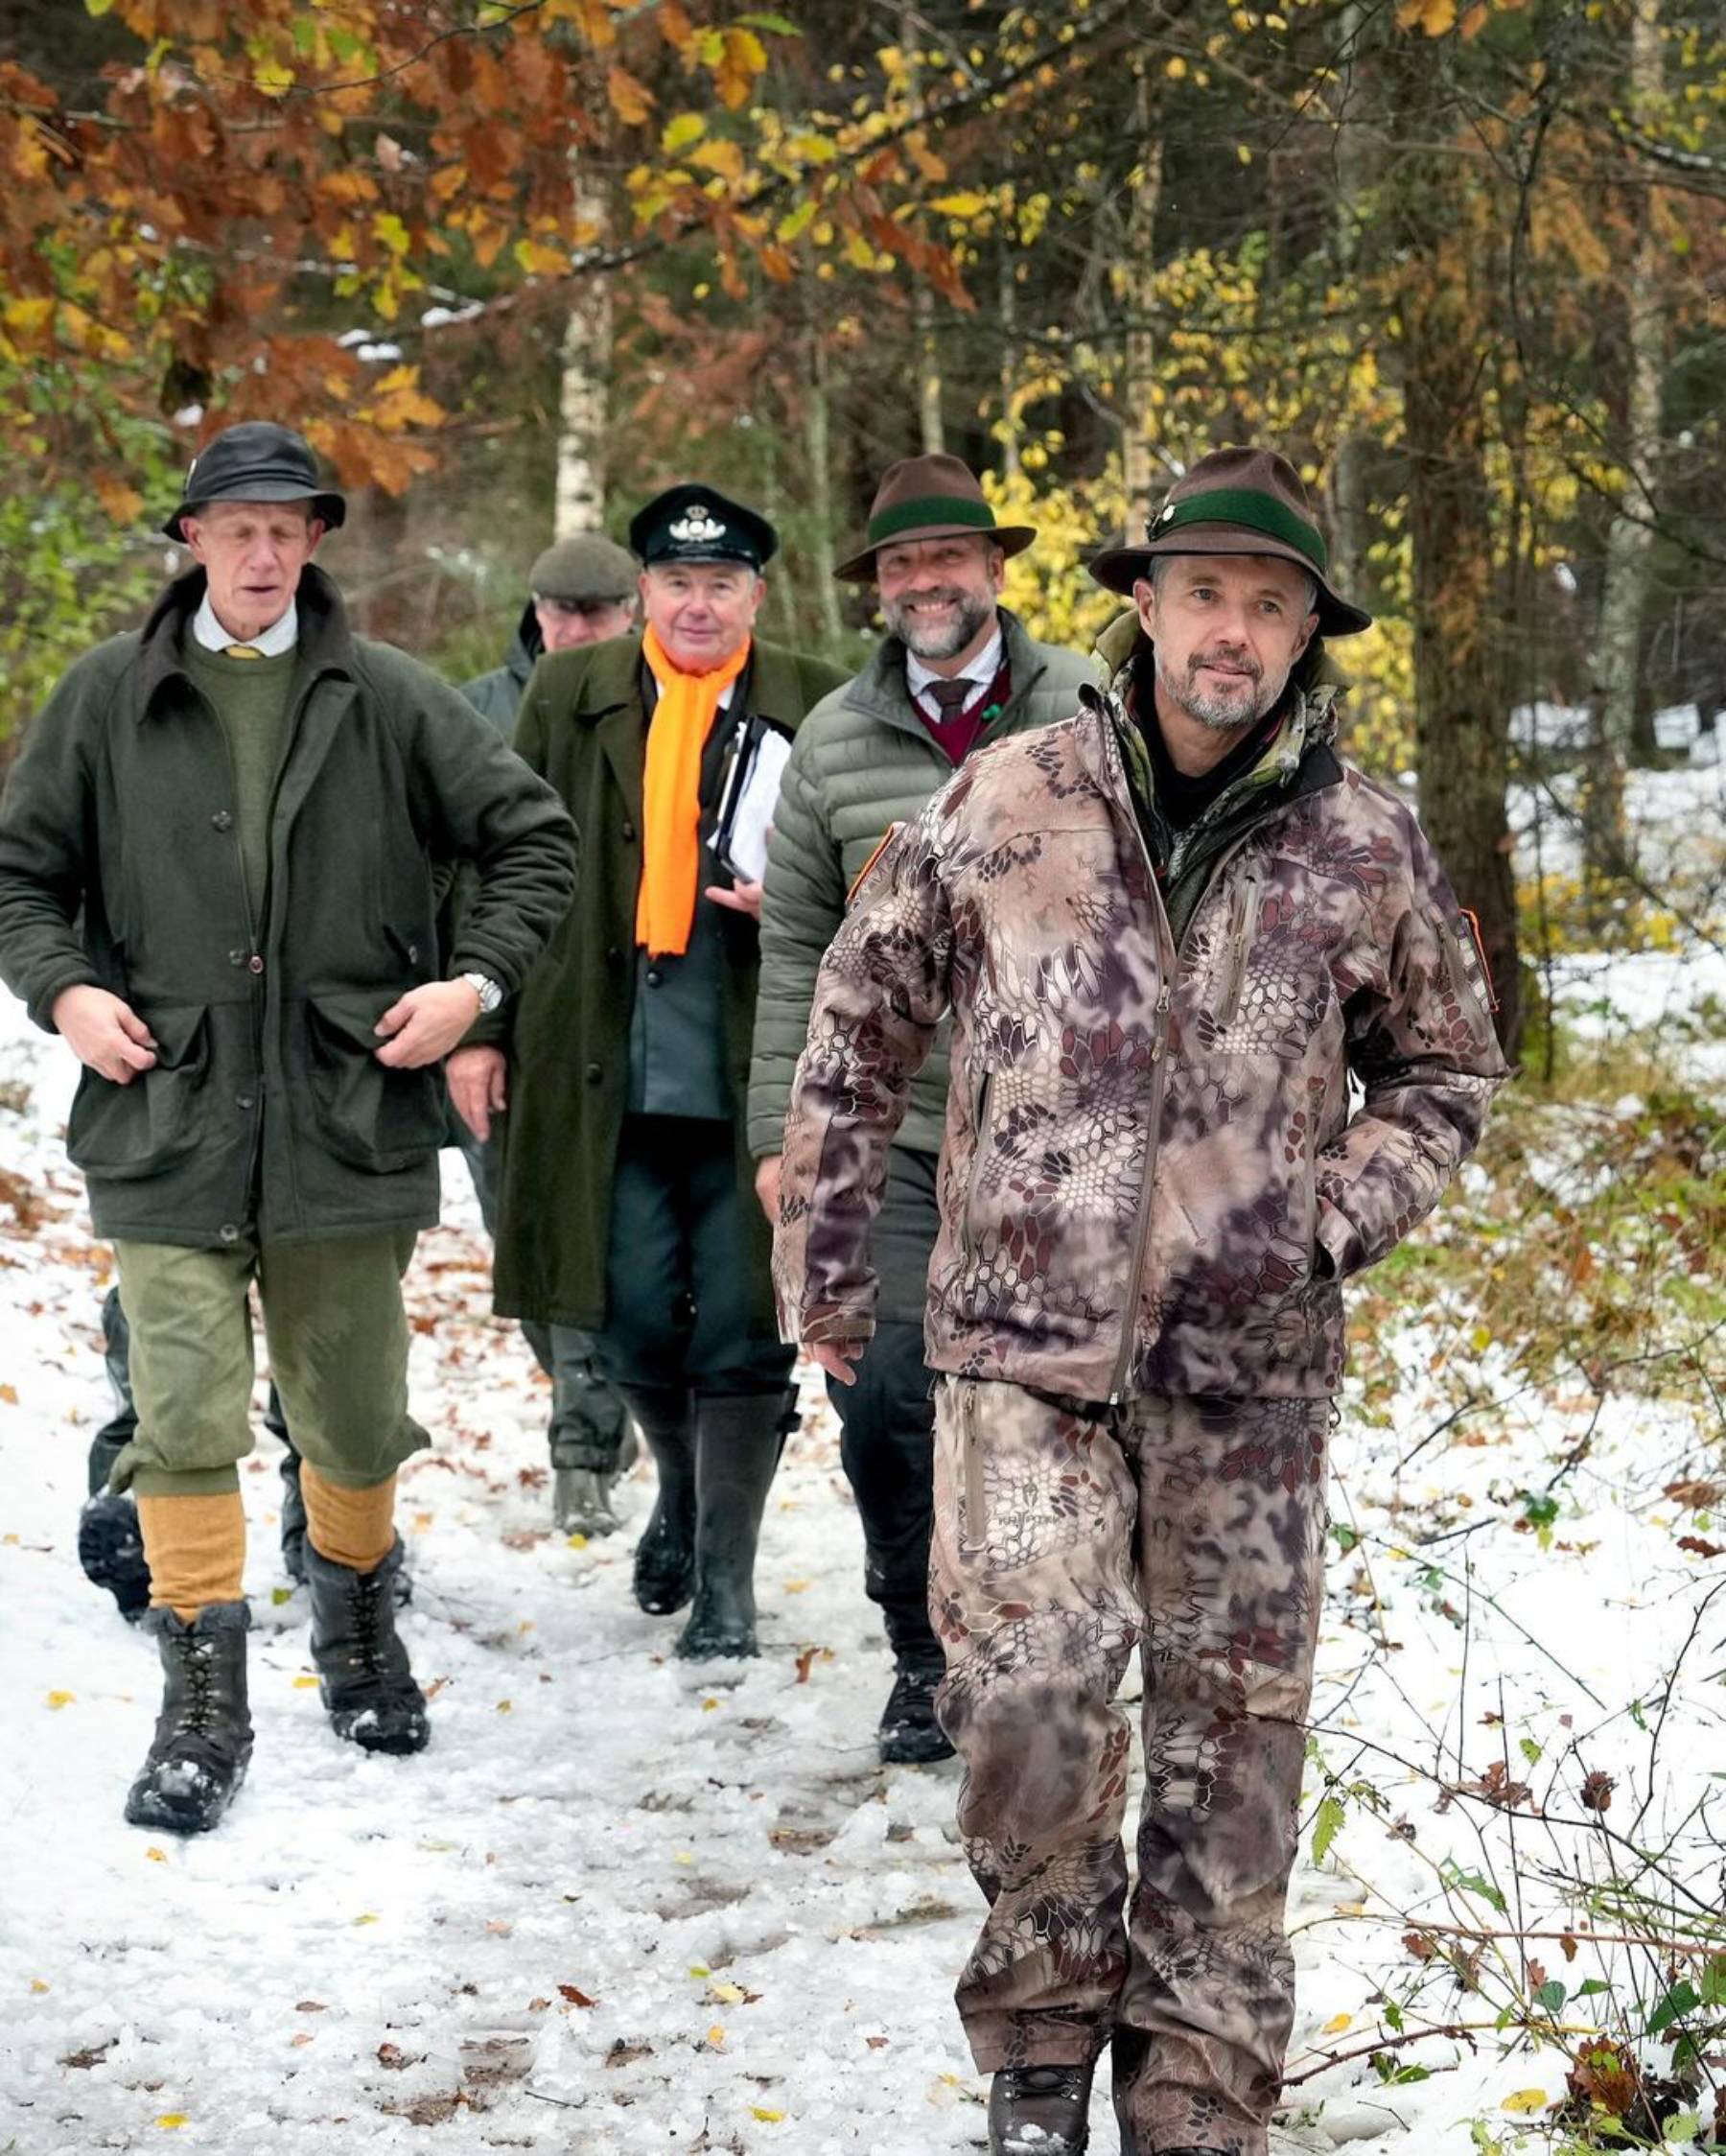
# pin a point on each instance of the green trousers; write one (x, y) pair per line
(338, 1338)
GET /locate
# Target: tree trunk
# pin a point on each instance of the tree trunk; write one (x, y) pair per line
(581, 424)
(1139, 470)
(1461, 727)
(1007, 306)
(925, 354)
(821, 491)
(1617, 645)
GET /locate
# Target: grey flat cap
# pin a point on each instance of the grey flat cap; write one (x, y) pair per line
(589, 569)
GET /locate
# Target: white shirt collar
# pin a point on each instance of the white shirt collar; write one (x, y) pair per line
(982, 669)
(280, 636)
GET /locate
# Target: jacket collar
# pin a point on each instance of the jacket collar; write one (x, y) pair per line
(883, 690)
(326, 644)
(612, 679)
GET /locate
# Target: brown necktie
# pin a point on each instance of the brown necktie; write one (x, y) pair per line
(952, 696)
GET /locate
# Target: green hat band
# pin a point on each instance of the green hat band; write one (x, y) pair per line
(1242, 505)
(929, 508)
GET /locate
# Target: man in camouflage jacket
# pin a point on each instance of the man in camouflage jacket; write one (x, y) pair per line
(1168, 932)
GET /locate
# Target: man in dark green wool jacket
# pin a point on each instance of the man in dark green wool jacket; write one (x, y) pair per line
(215, 885)
(580, 591)
(955, 670)
(627, 1200)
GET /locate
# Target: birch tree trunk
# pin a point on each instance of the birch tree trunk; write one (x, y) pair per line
(582, 398)
(818, 451)
(1606, 840)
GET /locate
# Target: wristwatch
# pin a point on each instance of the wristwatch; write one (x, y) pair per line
(487, 990)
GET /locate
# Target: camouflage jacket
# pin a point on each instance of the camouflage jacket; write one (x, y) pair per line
(1151, 1179)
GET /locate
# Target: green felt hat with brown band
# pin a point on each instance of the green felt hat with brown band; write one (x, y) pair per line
(1237, 502)
(935, 496)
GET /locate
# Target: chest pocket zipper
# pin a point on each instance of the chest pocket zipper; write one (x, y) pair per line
(979, 1161)
(1242, 916)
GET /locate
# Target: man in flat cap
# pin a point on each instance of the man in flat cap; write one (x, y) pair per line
(582, 591)
(955, 672)
(215, 884)
(1172, 932)
(628, 1207)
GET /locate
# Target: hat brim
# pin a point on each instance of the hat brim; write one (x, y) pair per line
(1117, 568)
(1012, 539)
(330, 510)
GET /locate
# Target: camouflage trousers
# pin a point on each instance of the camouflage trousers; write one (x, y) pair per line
(1066, 1535)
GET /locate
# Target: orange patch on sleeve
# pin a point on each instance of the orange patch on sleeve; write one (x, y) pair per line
(863, 873)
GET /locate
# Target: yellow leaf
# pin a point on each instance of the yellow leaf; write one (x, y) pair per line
(767, 2118)
(1527, 2100)
(58, 1700)
(1336, 2024)
(507, 1707)
(797, 1586)
(1175, 68)
(169, 2120)
(156, 1855)
(368, 1918)
(685, 1856)
(10, 1392)
(1433, 16)
(304, 1683)
(708, 1705)
(699, 1969)
(722, 158)
(728, 1994)
(683, 129)
(540, 260)
(960, 205)
(630, 101)
(275, 80)
(578, 1542)
(28, 317)
(813, 149)
(36, 1984)
(715, 2037)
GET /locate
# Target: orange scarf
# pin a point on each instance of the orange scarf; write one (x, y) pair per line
(671, 795)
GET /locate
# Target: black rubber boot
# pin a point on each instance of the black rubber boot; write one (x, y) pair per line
(110, 1548)
(203, 1736)
(1039, 2111)
(909, 1734)
(738, 1439)
(364, 1679)
(665, 1558)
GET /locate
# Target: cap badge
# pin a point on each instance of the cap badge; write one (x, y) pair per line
(698, 524)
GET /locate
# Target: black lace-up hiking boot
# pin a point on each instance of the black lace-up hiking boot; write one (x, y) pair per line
(364, 1679)
(203, 1736)
(665, 1558)
(1039, 2111)
(909, 1734)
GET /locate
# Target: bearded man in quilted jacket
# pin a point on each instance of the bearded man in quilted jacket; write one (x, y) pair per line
(1168, 932)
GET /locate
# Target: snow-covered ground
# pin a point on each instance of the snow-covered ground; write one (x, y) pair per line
(620, 1906)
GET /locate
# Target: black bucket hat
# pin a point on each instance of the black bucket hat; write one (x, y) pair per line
(256, 462)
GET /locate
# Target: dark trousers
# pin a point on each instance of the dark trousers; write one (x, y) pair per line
(683, 1313)
(887, 1418)
(588, 1417)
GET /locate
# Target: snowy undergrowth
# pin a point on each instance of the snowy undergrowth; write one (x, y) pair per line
(622, 1906)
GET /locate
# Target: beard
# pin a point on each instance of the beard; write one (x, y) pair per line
(925, 639)
(1221, 709)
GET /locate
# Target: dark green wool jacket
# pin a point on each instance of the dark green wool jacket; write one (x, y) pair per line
(584, 727)
(863, 762)
(119, 866)
(497, 695)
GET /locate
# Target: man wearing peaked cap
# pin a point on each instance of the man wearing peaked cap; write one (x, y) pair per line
(581, 590)
(1220, 1035)
(627, 1207)
(216, 885)
(955, 672)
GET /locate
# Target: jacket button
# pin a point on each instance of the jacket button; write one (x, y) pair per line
(254, 964)
(629, 831)
(244, 1100)
(222, 820)
(654, 977)
(414, 955)
(593, 1073)
(228, 1232)
(614, 956)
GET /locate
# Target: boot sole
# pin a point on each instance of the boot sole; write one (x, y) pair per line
(110, 1550)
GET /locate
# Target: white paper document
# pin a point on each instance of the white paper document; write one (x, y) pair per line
(751, 797)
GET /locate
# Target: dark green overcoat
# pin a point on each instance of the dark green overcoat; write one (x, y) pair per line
(583, 726)
(120, 867)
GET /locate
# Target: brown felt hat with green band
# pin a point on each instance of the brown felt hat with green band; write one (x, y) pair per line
(1237, 502)
(935, 496)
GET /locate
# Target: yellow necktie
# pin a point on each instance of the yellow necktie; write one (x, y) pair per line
(240, 651)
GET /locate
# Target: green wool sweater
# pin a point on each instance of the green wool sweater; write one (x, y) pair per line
(250, 698)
